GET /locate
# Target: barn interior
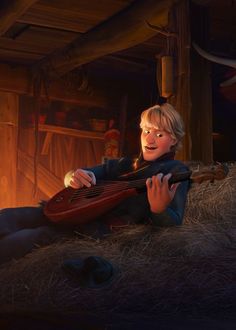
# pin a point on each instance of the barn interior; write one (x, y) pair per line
(72, 71)
(75, 77)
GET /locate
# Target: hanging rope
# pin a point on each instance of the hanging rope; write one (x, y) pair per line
(36, 94)
(180, 19)
(39, 82)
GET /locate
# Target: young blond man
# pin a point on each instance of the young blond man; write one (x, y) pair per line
(162, 204)
(21, 229)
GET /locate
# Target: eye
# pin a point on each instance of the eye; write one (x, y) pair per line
(146, 131)
(159, 134)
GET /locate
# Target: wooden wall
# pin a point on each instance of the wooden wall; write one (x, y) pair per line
(26, 179)
(63, 154)
(59, 149)
(8, 141)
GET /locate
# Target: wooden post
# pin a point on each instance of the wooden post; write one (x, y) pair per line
(167, 87)
(122, 123)
(201, 94)
(182, 101)
(8, 147)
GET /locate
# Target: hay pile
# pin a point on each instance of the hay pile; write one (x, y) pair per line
(189, 270)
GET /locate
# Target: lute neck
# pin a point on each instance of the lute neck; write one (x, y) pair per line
(176, 177)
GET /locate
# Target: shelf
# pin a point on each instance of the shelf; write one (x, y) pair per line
(51, 129)
(71, 132)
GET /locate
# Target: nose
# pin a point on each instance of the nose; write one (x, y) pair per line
(150, 138)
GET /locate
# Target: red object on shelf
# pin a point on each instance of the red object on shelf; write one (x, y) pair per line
(60, 118)
(42, 118)
(112, 140)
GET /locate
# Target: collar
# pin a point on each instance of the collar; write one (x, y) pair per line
(141, 165)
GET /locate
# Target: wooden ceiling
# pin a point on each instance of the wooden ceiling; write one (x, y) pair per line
(49, 25)
(42, 27)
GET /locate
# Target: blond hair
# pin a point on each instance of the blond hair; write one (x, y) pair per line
(166, 118)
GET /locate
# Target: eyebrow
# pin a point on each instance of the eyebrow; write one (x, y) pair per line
(156, 129)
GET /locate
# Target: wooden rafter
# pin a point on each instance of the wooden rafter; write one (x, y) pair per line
(12, 11)
(17, 79)
(203, 2)
(124, 30)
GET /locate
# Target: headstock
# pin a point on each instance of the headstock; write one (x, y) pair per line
(216, 172)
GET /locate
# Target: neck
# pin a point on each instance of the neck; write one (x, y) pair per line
(141, 162)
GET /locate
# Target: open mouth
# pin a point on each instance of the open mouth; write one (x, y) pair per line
(150, 148)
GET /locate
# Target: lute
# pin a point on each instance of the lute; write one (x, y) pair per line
(78, 206)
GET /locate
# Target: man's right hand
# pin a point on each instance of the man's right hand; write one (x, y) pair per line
(79, 178)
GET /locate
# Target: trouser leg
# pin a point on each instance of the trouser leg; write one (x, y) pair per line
(14, 219)
(18, 244)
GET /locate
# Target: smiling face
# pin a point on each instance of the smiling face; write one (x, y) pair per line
(162, 131)
(155, 143)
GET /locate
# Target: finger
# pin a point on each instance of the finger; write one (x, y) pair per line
(157, 180)
(149, 183)
(166, 178)
(159, 176)
(81, 181)
(87, 175)
(75, 185)
(92, 175)
(82, 174)
(174, 187)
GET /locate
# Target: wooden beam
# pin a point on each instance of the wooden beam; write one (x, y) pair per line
(17, 79)
(124, 30)
(12, 11)
(204, 2)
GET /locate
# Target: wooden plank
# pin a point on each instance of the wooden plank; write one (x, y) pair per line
(72, 132)
(146, 51)
(37, 41)
(8, 147)
(65, 152)
(42, 35)
(122, 31)
(92, 152)
(48, 183)
(11, 11)
(46, 143)
(73, 15)
(72, 152)
(18, 56)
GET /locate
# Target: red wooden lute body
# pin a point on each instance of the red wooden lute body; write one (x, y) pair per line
(78, 206)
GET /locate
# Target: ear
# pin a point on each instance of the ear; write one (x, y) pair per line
(173, 142)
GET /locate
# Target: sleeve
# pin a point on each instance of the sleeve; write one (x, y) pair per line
(112, 169)
(174, 213)
(99, 171)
